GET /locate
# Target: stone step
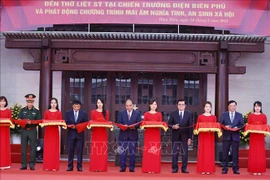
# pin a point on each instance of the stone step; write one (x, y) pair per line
(16, 153)
(243, 158)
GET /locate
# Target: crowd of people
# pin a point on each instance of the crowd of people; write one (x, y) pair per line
(180, 123)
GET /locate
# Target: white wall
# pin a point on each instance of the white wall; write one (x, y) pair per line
(15, 82)
(255, 84)
(249, 87)
(57, 86)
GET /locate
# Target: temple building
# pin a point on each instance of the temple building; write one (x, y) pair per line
(118, 62)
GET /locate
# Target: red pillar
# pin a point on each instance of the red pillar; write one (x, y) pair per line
(222, 89)
(45, 91)
(222, 80)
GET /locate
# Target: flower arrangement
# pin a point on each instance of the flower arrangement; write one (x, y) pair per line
(244, 140)
(15, 111)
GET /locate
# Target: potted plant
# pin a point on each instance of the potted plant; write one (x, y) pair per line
(244, 140)
(15, 132)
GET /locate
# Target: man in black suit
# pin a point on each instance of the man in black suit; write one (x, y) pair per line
(75, 139)
(128, 138)
(232, 120)
(181, 123)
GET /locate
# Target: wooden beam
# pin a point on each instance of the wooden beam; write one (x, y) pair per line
(23, 43)
(132, 67)
(246, 47)
(127, 67)
(114, 44)
(135, 44)
(32, 66)
(237, 70)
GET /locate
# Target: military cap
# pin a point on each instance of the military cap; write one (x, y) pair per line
(30, 96)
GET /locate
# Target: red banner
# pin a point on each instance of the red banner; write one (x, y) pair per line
(246, 16)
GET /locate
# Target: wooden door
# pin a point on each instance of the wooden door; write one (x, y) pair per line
(116, 87)
(75, 85)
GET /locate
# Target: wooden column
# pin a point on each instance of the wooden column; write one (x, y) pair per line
(222, 88)
(45, 91)
(222, 80)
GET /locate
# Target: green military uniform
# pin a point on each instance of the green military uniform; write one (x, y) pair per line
(29, 133)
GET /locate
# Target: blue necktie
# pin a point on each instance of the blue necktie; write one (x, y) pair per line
(180, 117)
(76, 116)
(231, 117)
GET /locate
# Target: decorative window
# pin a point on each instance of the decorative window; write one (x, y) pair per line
(122, 87)
(145, 87)
(99, 85)
(169, 88)
(191, 89)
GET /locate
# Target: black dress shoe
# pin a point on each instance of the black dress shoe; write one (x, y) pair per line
(122, 170)
(79, 169)
(224, 172)
(23, 168)
(174, 171)
(185, 171)
(236, 172)
(69, 169)
(131, 170)
(32, 168)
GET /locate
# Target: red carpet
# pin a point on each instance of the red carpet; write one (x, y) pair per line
(113, 173)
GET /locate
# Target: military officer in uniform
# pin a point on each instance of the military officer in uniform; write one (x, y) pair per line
(29, 133)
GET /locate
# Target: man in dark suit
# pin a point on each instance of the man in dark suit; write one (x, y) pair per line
(75, 139)
(181, 123)
(231, 120)
(128, 138)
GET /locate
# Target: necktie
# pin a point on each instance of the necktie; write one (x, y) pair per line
(181, 117)
(76, 116)
(231, 117)
(129, 115)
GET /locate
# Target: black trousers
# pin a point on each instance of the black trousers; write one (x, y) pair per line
(31, 136)
(72, 144)
(226, 148)
(131, 146)
(182, 148)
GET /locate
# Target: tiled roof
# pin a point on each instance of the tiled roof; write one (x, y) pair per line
(133, 36)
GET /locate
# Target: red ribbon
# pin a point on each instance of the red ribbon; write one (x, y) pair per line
(24, 122)
(81, 126)
(125, 127)
(231, 129)
(223, 126)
